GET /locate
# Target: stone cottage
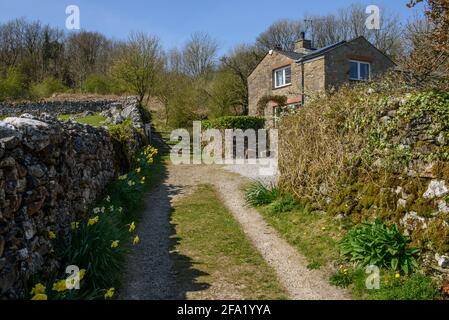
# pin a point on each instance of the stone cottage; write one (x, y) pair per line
(296, 74)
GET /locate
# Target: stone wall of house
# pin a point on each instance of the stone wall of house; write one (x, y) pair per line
(260, 82)
(50, 172)
(314, 75)
(337, 61)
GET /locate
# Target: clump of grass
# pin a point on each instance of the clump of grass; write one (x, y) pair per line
(314, 265)
(284, 204)
(343, 278)
(258, 194)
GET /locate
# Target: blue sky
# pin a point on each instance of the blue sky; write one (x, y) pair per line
(229, 21)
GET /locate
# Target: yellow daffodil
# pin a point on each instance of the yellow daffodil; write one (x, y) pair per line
(51, 235)
(132, 227)
(124, 177)
(75, 225)
(38, 289)
(109, 293)
(40, 296)
(138, 170)
(115, 244)
(136, 240)
(60, 286)
(323, 228)
(131, 183)
(93, 220)
(397, 275)
(81, 274)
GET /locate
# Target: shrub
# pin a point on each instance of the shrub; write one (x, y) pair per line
(15, 85)
(97, 84)
(238, 122)
(47, 87)
(258, 194)
(377, 244)
(124, 137)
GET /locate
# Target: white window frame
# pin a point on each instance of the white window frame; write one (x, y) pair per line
(359, 63)
(276, 85)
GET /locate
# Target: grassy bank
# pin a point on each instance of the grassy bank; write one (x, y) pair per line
(220, 256)
(318, 236)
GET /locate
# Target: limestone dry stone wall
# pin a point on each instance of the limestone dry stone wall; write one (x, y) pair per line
(50, 172)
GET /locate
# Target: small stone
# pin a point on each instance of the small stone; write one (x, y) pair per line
(7, 162)
(443, 261)
(10, 142)
(401, 203)
(23, 254)
(436, 189)
(441, 139)
(412, 221)
(443, 207)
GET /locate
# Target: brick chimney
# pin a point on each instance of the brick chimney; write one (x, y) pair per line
(303, 45)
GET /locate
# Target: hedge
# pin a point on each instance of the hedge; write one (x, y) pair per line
(237, 122)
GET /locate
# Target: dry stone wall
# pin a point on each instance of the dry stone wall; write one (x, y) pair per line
(50, 172)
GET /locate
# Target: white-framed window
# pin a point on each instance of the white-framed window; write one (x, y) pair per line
(359, 70)
(282, 76)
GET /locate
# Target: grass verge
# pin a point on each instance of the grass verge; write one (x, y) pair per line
(317, 236)
(213, 250)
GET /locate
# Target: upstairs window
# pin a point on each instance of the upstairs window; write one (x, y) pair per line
(282, 77)
(359, 70)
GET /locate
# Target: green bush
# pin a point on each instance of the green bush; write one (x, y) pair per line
(379, 245)
(258, 194)
(124, 135)
(97, 84)
(238, 122)
(15, 85)
(47, 87)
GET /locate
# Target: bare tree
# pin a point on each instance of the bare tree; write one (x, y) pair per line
(199, 55)
(282, 34)
(140, 63)
(240, 62)
(87, 53)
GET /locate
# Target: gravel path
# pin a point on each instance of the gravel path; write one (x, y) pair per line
(150, 274)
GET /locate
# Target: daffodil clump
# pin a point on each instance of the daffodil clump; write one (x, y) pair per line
(60, 289)
(101, 239)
